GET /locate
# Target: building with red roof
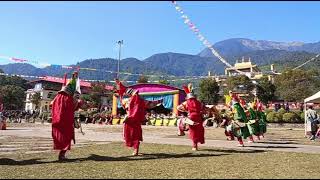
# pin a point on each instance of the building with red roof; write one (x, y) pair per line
(49, 86)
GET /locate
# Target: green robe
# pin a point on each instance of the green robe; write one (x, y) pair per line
(72, 84)
(253, 126)
(262, 122)
(240, 116)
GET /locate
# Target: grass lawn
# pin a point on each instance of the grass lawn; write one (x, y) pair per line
(160, 161)
(292, 136)
(286, 135)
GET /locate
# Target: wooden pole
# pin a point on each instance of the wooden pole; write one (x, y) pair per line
(175, 103)
(114, 105)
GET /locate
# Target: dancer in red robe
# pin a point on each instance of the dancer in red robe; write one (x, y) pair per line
(136, 111)
(195, 113)
(63, 107)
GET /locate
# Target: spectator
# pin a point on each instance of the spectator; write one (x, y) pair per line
(3, 125)
(276, 107)
(287, 108)
(301, 106)
(312, 121)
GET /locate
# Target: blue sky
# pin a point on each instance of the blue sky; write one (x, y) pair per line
(68, 32)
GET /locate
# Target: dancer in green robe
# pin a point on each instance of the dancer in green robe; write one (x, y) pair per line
(238, 125)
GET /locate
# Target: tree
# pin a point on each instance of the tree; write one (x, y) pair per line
(12, 97)
(265, 90)
(143, 79)
(209, 90)
(14, 80)
(98, 91)
(164, 81)
(35, 99)
(12, 91)
(296, 85)
(236, 83)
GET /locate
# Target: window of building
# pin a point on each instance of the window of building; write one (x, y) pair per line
(50, 95)
(38, 86)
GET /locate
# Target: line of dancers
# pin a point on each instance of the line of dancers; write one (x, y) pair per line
(67, 102)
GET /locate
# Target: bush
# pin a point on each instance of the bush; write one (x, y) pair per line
(274, 117)
(302, 116)
(298, 112)
(282, 111)
(278, 118)
(291, 118)
(282, 116)
(270, 117)
(267, 111)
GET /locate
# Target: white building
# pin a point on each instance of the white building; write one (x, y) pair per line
(48, 88)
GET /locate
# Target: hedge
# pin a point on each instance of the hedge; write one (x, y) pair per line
(302, 116)
(282, 111)
(267, 111)
(274, 117)
(285, 117)
(291, 117)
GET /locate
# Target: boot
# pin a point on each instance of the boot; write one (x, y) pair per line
(62, 155)
(250, 139)
(240, 142)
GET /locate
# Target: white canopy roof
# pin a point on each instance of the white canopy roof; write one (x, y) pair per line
(314, 98)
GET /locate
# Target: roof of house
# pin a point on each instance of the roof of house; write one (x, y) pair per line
(61, 80)
(152, 87)
(244, 65)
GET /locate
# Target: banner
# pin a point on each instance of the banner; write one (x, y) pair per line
(97, 80)
(201, 37)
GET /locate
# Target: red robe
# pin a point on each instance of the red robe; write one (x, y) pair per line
(132, 131)
(196, 132)
(63, 108)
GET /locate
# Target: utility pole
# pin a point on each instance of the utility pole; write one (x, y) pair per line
(120, 43)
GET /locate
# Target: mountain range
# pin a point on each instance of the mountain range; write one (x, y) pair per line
(236, 46)
(261, 52)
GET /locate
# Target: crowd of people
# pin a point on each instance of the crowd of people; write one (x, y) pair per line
(17, 116)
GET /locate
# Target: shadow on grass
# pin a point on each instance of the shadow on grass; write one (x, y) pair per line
(280, 147)
(94, 157)
(12, 162)
(146, 156)
(271, 142)
(234, 151)
(289, 139)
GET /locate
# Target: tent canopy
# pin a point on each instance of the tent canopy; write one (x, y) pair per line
(171, 96)
(313, 99)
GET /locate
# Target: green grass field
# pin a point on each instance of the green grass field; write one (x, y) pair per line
(160, 161)
(291, 136)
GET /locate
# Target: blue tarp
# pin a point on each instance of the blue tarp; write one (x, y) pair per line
(167, 100)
